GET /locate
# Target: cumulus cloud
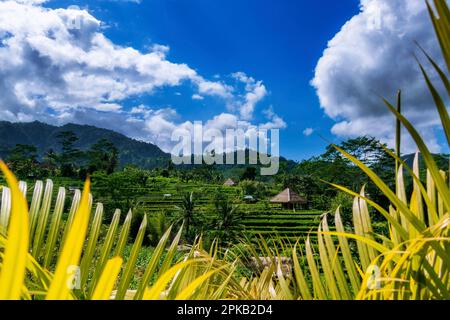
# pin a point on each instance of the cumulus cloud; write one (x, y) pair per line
(59, 59)
(372, 56)
(132, 1)
(274, 120)
(212, 88)
(31, 1)
(57, 66)
(308, 132)
(197, 97)
(255, 91)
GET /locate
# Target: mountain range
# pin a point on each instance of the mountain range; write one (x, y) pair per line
(142, 154)
(44, 137)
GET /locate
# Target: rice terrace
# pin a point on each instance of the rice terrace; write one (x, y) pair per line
(142, 157)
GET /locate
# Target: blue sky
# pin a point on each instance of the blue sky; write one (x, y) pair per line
(315, 69)
(278, 42)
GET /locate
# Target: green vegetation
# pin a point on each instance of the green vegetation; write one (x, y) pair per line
(47, 140)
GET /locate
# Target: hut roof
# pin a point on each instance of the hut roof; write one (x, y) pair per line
(288, 196)
(229, 183)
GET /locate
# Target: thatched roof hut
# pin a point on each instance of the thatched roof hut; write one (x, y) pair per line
(288, 198)
(229, 183)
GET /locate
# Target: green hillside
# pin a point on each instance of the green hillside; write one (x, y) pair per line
(44, 137)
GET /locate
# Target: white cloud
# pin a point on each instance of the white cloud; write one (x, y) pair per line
(48, 62)
(373, 56)
(57, 66)
(255, 91)
(131, 1)
(212, 88)
(31, 2)
(275, 121)
(197, 97)
(308, 132)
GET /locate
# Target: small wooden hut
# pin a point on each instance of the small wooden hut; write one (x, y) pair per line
(229, 183)
(288, 199)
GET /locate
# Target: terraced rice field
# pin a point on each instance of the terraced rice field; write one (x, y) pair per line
(260, 219)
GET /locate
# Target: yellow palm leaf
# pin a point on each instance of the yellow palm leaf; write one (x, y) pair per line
(107, 279)
(69, 258)
(12, 272)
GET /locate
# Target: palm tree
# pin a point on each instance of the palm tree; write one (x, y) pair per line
(228, 221)
(186, 212)
(158, 224)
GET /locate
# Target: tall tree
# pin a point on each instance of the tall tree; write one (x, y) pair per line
(50, 162)
(227, 226)
(367, 149)
(103, 155)
(69, 155)
(249, 174)
(186, 213)
(23, 160)
(333, 167)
